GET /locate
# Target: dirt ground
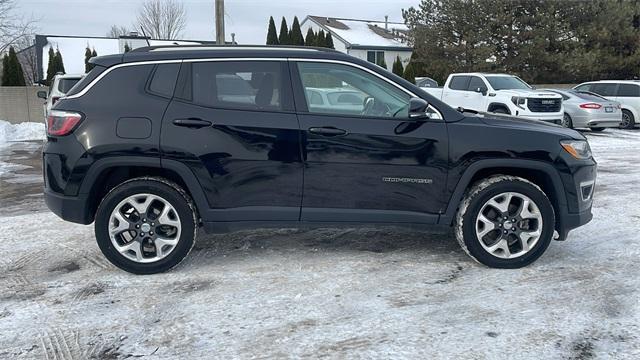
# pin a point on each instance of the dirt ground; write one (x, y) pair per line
(331, 293)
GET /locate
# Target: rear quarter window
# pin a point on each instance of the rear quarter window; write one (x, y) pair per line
(163, 80)
(629, 90)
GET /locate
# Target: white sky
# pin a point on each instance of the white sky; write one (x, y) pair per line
(247, 18)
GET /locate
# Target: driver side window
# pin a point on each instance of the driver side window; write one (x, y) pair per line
(350, 91)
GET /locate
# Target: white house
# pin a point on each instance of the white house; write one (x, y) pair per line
(364, 39)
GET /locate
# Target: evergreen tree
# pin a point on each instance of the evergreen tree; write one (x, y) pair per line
(93, 53)
(409, 73)
(13, 75)
(310, 39)
(87, 56)
(59, 63)
(328, 42)
(397, 68)
(272, 36)
(283, 38)
(296, 34)
(320, 39)
(382, 63)
(51, 70)
(127, 48)
(5, 68)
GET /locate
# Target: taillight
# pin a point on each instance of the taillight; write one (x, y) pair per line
(60, 123)
(590, 106)
(54, 100)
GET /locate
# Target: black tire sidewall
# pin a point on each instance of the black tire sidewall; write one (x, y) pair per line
(632, 123)
(470, 217)
(177, 200)
(569, 121)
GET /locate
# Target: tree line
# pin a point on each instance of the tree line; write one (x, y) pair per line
(543, 41)
(294, 35)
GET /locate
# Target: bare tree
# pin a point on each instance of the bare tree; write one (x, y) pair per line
(162, 19)
(117, 31)
(13, 27)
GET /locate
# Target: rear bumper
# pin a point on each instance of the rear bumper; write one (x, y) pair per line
(70, 208)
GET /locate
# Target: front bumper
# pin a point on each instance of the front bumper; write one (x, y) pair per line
(70, 208)
(555, 118)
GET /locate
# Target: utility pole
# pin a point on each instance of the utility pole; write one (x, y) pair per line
(220, 22)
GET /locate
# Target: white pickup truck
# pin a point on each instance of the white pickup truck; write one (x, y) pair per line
(499, 93)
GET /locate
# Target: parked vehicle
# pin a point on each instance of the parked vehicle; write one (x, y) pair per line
(426, 82)
(583, 109)
(499, 93)
(60, 85)
(626, 92)
(150, 147)
(335, 100)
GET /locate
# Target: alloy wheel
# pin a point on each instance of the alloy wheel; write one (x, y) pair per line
(626, 120)
(144, 228)
(509, 225)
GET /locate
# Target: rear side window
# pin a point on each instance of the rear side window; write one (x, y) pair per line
(253, 85)
(629, 90)
(163, 79)
(604, 89)
(86, 80)
(459, 83)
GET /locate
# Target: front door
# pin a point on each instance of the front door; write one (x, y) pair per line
(232, 123)
(364, 159)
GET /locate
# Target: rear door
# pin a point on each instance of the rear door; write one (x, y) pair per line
(629, 94)
(605, 89)
(455, 93)
(232, 123)
(366, 162)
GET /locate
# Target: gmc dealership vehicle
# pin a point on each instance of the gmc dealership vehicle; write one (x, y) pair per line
(155, 143)
(499, 93)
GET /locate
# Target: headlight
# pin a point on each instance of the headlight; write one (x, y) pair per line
(579, 149)
(517, 100)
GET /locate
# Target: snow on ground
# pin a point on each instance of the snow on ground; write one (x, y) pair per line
(21, 132)
(335, 293)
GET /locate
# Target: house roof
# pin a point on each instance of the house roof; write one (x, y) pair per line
(364, 34)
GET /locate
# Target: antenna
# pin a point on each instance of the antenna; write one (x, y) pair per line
(145, 36)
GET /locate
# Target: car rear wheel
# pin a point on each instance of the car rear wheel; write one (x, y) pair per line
(566, 121)
(505, 222)
(146, 225)
(628, 122)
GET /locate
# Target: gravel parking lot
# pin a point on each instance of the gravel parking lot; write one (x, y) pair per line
(354, 293)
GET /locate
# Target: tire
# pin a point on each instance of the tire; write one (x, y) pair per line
(169, 212)
(566, 121)
(500, 110)
(628, 121)
(476, 200)
(597, 129)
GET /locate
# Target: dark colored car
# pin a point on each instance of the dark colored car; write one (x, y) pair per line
(158, 142)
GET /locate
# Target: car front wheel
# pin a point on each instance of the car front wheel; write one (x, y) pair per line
(505, 222)
(146, 225)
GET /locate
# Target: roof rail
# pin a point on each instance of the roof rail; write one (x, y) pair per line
(205, 47)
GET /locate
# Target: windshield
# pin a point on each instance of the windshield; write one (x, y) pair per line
(507, 83)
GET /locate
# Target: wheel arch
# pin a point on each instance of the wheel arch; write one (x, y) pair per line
(539, 173)
(107, 173)
(495, 105)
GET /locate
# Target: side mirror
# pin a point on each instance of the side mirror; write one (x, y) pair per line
(418, 109)
(482, 90)
(42, 94)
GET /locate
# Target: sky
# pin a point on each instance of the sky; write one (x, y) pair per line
(246, 18)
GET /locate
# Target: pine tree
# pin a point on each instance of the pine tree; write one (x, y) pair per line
(409, 73)
(127, 48)
(397, 68)
(296, 33)
(320, 39)
(59, 62)
(310, 39)
(51, 70)
(94, 53)
(328, 42)
(87, 56)
(272, 36)
(283, 38)
(14, 75)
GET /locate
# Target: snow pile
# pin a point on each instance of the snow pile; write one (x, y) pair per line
(21, 132)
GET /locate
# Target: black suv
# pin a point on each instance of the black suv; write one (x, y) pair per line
(157, 142)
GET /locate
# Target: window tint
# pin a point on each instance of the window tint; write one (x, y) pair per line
(241, 84)
(351, 91)
(476, 83)
(604, 89)
(459, 83)
(585, 87)
(629, 90)
(164, 79)
(64, 85)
